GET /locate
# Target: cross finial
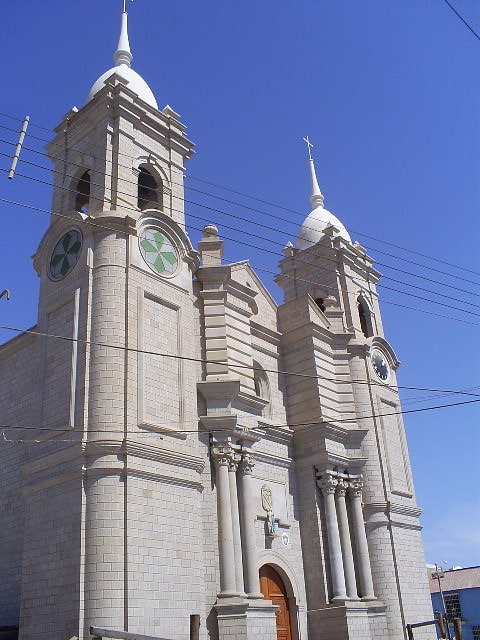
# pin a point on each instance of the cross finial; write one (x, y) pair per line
(309, 147)
(125, 6)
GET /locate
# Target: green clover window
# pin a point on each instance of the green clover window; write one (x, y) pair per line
(158, 252)
(65, 254)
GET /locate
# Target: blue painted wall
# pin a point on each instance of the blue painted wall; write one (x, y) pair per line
(470, 606)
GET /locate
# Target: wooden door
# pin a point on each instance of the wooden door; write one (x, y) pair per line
(272, 588)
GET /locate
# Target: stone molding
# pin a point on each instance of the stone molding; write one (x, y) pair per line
(157, 454)
(164, 479)
(36, 486)
(275, 461)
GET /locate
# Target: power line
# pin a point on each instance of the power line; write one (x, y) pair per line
(264, 250)
(449, 4)
(265, 213)
(261, 249)
(264, 239)
(263, 427)
(433, 313)
(269, 240)
(220, 362)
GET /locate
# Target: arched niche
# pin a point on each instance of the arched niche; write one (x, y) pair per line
(262, 386)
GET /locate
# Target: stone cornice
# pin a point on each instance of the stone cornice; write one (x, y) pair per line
(357, 259)
(117, 100)
(52, 459)
(166, 456)
(273, 433)
(38, 485)
(408, 511)
(164, 479)
(220, 391)
(265, 333)
(249, 402)
(351, 438)
(274, 461)
(222, 422)
(117, 222)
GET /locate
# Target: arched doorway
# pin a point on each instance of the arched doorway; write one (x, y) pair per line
(273, 588)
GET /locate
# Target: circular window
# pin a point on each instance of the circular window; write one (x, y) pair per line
(158, 252)
(65, 255)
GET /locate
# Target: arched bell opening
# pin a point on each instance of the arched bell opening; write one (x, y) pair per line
(365, 317)
(82, 193)
(150, 190)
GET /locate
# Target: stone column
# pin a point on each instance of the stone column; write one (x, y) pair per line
(223, 453)
(237, 540)
(105, 589)
(363, 556)
(328, 485)
(345, 541)
(247, 520)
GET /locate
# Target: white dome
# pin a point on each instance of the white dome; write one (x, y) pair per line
(313, 228)
(135, 83)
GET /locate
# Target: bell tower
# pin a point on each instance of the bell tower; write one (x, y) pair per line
(352, 462)
(116, 270)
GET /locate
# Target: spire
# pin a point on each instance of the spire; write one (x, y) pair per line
(123, 55)
(316, 198)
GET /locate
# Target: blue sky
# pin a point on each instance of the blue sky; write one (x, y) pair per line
(388, 92)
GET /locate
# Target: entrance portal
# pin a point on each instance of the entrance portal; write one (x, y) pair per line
(273, 588)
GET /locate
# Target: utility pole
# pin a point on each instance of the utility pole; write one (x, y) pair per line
(439, 573)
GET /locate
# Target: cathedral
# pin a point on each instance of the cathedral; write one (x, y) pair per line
(194, 451)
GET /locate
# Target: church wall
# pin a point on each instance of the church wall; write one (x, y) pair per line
(18, 364)
(165, 558)
(411, 564)
(51, 559)
(11, 531)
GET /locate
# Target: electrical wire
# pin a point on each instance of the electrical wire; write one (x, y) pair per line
(263, 427)
(269, 240)
(449, 4)
(263, 239)
(432, 313)
(264, 202)
(221, 362)
(265, 213)
(97, 225)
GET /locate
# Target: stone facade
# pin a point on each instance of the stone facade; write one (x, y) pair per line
(182, 431)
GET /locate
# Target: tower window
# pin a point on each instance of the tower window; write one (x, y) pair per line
(319, 303)
(150, 193)
(365, 318)
(82, 198)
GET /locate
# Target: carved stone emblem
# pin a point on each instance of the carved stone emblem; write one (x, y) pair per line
(267, 500)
